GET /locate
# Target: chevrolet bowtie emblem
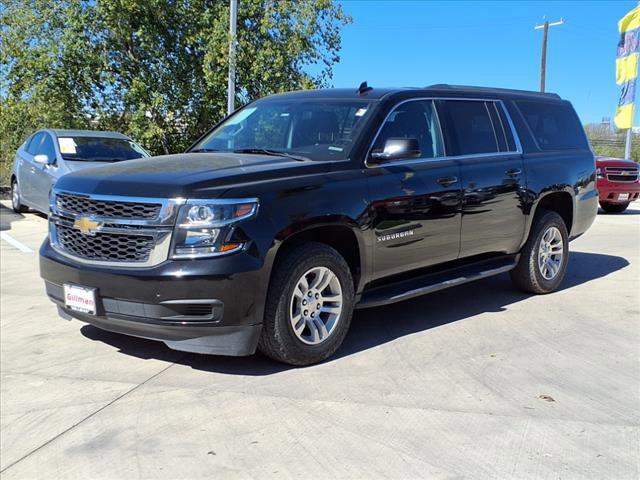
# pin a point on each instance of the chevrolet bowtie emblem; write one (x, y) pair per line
(86, 225)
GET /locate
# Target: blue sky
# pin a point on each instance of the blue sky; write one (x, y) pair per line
(417, 43)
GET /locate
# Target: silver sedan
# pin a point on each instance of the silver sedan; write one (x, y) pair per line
(51, 153)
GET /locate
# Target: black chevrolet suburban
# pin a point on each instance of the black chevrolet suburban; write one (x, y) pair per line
(300, 207)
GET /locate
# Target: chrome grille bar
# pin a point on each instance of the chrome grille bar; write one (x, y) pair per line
(86, 228)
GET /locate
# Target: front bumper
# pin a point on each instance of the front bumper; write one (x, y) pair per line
(212, 306)
(609, 192)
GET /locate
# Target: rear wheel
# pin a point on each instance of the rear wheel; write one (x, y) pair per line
(16, 200)
(543, 259)
(309, 306)
(614, 207)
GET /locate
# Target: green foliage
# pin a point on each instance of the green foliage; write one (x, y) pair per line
(154, 69)
(611, 144)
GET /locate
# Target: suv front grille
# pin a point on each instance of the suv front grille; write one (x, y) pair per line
(107, 247)
(112, 230)
(622, 174)
(106, 208)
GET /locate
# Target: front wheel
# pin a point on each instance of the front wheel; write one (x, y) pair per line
(543, 259)
(614, 207)
(16, 200)
(309, 306)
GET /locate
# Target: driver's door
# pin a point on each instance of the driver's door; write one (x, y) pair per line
(44, 175)
(27, 168)
(414, 203)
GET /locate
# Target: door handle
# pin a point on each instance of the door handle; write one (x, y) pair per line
(446, 181)
(514, 172)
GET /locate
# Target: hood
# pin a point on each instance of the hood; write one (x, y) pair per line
(602, 162)
(76, 166)
(195, 175)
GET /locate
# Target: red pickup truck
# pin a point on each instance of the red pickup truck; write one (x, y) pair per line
(618, 183)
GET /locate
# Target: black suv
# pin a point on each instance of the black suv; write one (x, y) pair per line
(302, 206)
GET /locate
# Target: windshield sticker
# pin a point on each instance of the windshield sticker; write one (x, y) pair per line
(336, 149)
(243, 115)
(361, 112)
(67, 145)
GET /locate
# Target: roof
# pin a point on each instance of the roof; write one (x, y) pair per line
(60, 132)
(376, 93)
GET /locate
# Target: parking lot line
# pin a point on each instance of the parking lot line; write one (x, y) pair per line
(15, 243)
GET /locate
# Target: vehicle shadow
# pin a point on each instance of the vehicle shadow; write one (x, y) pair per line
(8, 216)
(622, 214)
(377, 326)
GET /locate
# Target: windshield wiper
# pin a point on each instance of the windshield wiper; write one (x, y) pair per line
(273, 153)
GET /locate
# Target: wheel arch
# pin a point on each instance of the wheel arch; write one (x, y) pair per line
(561, 201)
(339, 233)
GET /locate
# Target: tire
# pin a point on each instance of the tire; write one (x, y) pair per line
(614, 207)
(279, 339)
(533, 273)
(16, 201)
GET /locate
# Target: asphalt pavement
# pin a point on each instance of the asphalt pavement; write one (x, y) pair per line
(478, 381)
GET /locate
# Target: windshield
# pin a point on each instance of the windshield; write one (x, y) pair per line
(99, 149)
(316, 129)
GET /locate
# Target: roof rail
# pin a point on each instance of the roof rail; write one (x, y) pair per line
(446, 86)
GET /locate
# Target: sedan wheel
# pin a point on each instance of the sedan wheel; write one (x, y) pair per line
(16, 201)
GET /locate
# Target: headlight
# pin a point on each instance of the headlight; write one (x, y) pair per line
(598, 172)
(205, 227)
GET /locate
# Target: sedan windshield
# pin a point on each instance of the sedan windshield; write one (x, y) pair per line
(99, 149)
(300, 129)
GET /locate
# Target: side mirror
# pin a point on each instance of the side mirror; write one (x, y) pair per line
(398, 149)
(42, 159)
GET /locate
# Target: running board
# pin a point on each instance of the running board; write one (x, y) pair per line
(432, 282)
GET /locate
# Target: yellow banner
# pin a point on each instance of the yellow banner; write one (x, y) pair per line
(624, 116)
(626, 68)
(630, 21)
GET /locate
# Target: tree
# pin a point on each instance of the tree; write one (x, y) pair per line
(154, 69)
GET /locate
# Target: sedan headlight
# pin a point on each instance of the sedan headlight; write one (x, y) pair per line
(205, 227)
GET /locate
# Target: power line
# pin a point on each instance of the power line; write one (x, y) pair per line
(543, 58)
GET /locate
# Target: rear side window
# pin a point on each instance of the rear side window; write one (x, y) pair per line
(469, 127)
(555, 126)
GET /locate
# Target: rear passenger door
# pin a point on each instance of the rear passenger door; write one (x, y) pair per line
(480, 135)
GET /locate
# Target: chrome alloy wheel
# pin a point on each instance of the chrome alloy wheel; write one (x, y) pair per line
(316, 305)
(550, 253)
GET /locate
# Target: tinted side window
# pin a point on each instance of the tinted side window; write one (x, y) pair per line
(469, 129)
(47, 147)
(34, 144)
(414, 119)
(555, 126)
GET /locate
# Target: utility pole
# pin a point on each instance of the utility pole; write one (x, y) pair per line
(543, 59)
(231, 84)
